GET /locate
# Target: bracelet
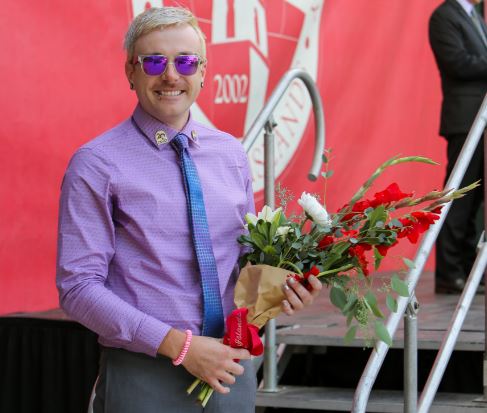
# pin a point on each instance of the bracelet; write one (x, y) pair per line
(177, 361)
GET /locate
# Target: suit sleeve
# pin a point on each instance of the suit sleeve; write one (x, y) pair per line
(452, 44)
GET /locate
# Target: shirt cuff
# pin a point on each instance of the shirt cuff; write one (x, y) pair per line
(149, 336)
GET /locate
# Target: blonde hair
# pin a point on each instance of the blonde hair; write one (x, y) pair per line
(157, 18)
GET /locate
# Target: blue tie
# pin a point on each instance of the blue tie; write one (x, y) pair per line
(213, 323)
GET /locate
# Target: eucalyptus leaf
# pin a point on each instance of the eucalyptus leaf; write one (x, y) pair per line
(382, 333)
(338, 297)
(351, 302)
(409, 263)
(377, 258)
(350, 318)
(395, 223)
(391, 303)
(399, 286)
(371, 300)
(350, 335)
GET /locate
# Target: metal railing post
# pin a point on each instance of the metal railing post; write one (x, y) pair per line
(448, 343)
(265, 120)
(270, 353)
(411, 356)
(485, 273)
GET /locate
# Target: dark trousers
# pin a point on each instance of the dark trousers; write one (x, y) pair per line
(458, 238)
(136, 383)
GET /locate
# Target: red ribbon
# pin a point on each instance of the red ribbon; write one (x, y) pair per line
(241, 334)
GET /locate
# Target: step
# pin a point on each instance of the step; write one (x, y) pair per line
(381, 401)
(332, 335)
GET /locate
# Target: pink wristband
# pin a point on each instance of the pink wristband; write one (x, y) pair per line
(177, 361)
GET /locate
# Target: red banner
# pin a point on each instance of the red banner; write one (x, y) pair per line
(64, 83)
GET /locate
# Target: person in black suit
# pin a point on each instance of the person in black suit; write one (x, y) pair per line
(459, 44)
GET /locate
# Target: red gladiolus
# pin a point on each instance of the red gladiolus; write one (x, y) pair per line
(413, 228)
(437, 210)
(357, 208)
(391, 194)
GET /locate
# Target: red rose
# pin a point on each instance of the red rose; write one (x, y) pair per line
(325, 241)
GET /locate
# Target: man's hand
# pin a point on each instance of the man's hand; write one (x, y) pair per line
(211, 361)
(297, 296)
(207, 358)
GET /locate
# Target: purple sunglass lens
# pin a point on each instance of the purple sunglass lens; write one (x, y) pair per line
(186, 65)
(154, 65)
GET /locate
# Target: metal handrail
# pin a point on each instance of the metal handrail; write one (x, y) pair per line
(266, 114)
(377, 357)
(265, 120)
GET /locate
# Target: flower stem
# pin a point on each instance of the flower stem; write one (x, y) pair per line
(207, 397)
(335, 270)
(281, 263)
(190, 389)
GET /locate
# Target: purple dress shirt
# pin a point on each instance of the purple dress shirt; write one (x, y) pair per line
(126, 266)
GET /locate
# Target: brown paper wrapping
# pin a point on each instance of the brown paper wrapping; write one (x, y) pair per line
(259, 288)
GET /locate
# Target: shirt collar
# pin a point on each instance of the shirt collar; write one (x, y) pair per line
(466, 5)
(159, 133)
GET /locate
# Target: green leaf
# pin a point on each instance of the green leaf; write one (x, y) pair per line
(409, 263)
(350, 335)
(399, 286)
(395, 223)
(338, 297)
(327, 174)
(274, 225)
(382, 333)
(297, 232)
(352, 300)
(378, 214)
(259, 240)
(269, 250)
(372, 303)
(370, 298)
(262, 227)
(324, 158)
(350, 318)
(391, 303)
(377, 259)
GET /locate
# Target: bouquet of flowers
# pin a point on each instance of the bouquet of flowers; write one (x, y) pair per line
(337, 248)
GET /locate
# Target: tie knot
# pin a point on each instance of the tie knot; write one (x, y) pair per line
(180, 141)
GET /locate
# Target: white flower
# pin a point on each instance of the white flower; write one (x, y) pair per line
(282, 230)
(314, 209)
(267, 214)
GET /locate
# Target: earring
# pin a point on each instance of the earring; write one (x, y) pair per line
(202, 84)
(131, 86)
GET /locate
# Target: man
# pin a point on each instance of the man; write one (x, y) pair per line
(127, 266)
(458, 37)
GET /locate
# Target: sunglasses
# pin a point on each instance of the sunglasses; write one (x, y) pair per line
(156, 65)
